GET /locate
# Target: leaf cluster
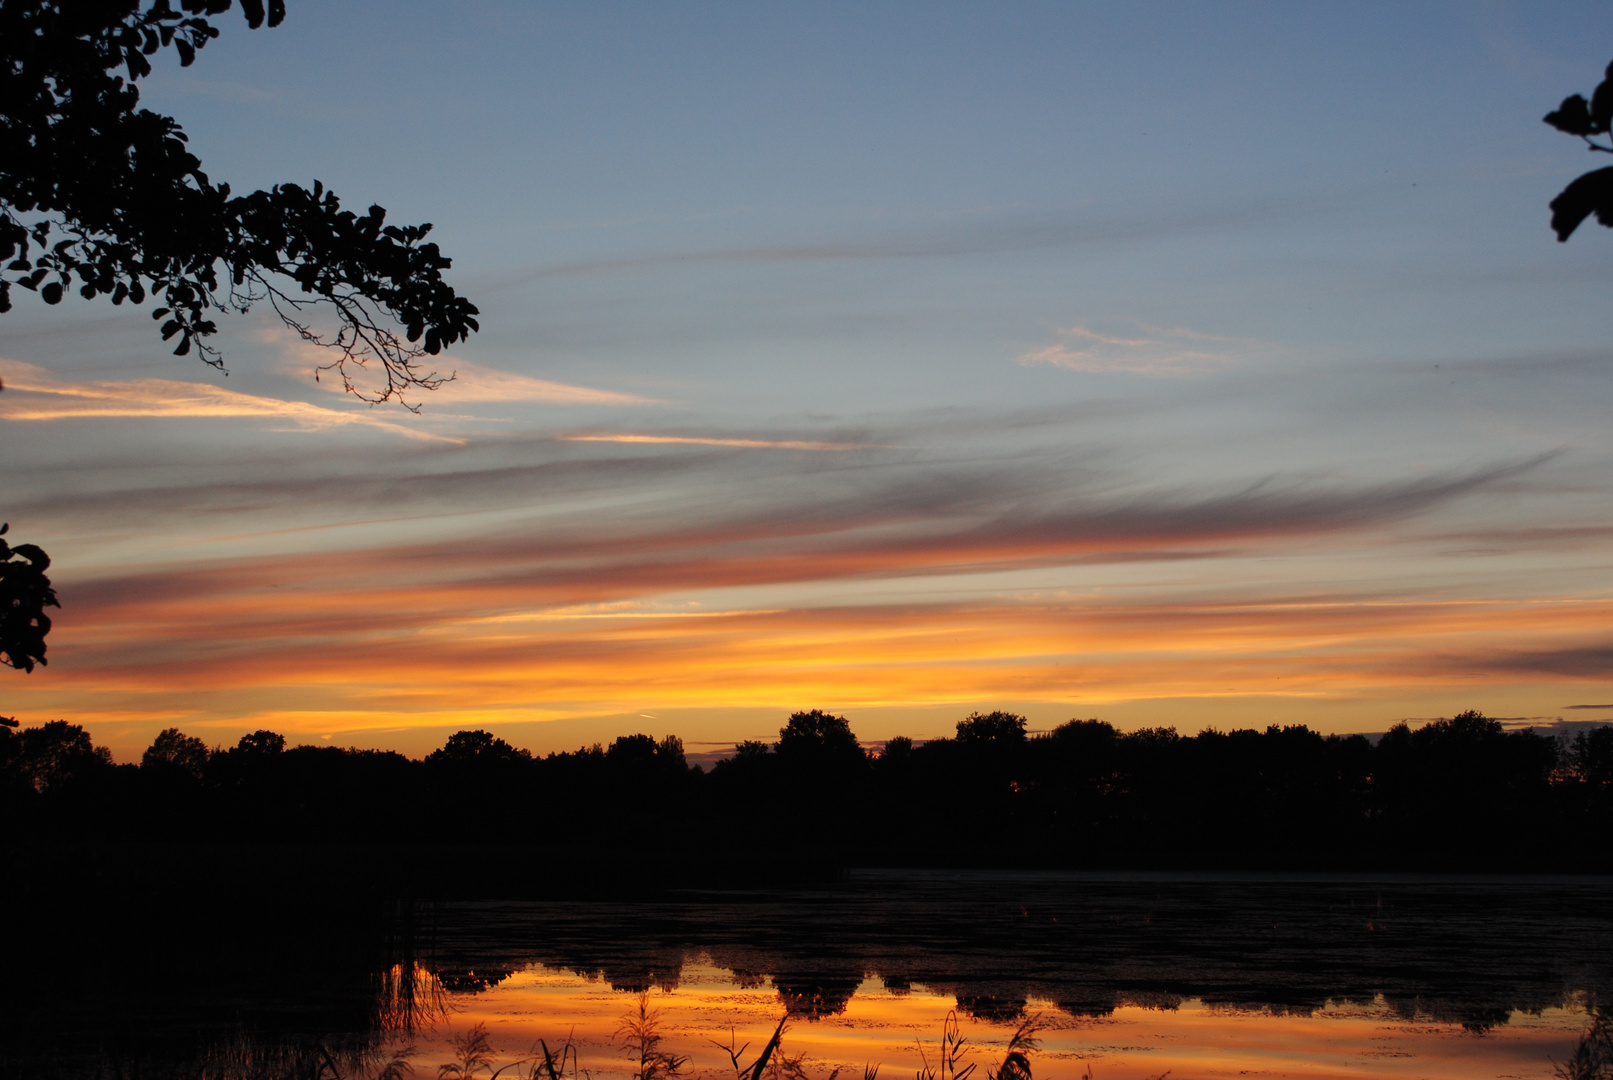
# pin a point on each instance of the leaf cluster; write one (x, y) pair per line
(25, 593)
(102, 196)
(1591, 193)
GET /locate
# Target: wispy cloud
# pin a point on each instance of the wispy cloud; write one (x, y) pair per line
(715, 440)
(34, 395)
(468, 383)
(1153, 350)
(986, 234)
(895, 533)
(474, 383)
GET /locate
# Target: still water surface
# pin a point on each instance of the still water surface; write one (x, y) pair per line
(899, 1032)
(1127, 976)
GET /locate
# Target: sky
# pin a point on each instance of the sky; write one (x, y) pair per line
(1193, 365)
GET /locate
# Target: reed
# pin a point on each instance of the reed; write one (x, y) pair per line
(1592, 1058)
(640, 1034)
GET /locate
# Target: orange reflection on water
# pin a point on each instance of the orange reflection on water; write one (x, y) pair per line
(899, 1032)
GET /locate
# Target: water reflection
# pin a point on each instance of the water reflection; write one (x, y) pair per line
(901, 1032)
(1464, 952)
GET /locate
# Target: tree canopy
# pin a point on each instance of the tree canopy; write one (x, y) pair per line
(1591, 193)
(1454, 794)
(102, 196)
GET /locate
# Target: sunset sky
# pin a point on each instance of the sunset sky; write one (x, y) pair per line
(1200, 364)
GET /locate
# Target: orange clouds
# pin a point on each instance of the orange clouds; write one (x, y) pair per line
(563, 575)
(336, 643)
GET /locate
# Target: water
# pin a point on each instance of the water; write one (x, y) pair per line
(1120, 976)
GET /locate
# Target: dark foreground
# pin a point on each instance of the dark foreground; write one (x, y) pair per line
(306, 971)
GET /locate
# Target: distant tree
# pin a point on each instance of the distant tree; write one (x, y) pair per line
(751, 750)
(262, 742)
(173, 749)
(1466, 784)
(25, 593)
(643, 750)
(1592, 193)
(1592, 757)
(99, 194)
(474, 747)
(896, 749)
(482, 782)
(54, 754)
(818, 737)
(992, 727)
(643, 772)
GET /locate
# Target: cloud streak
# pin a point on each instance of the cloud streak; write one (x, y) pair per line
(993, 235)
(466, 383)
(33, 395)
(886, 535)
(714, 440)
(372, 658)
(1155, 351)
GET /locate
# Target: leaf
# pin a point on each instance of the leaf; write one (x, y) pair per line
(755, 1072)
(1602, 107)
(51, 293)
(1573, 116)
(1590, 194)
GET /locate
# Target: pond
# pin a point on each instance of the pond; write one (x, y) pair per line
(912, 974)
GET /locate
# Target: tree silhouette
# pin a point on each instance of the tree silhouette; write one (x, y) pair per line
(25, 593)
(994, 727)
(817, 738)
(99, 194)
(173, 749)
(1592, 193)
(261, 742)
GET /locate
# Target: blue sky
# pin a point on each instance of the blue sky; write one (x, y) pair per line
(1040, 315)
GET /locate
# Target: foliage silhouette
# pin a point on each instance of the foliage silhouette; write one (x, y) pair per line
(25, 593)
(174, 749)
(992, 727)
(261, 742)
(817, 738)
(98, 193)
(1591, 193)
(51, 757)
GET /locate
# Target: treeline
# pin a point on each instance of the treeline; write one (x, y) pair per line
(1457, 794)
